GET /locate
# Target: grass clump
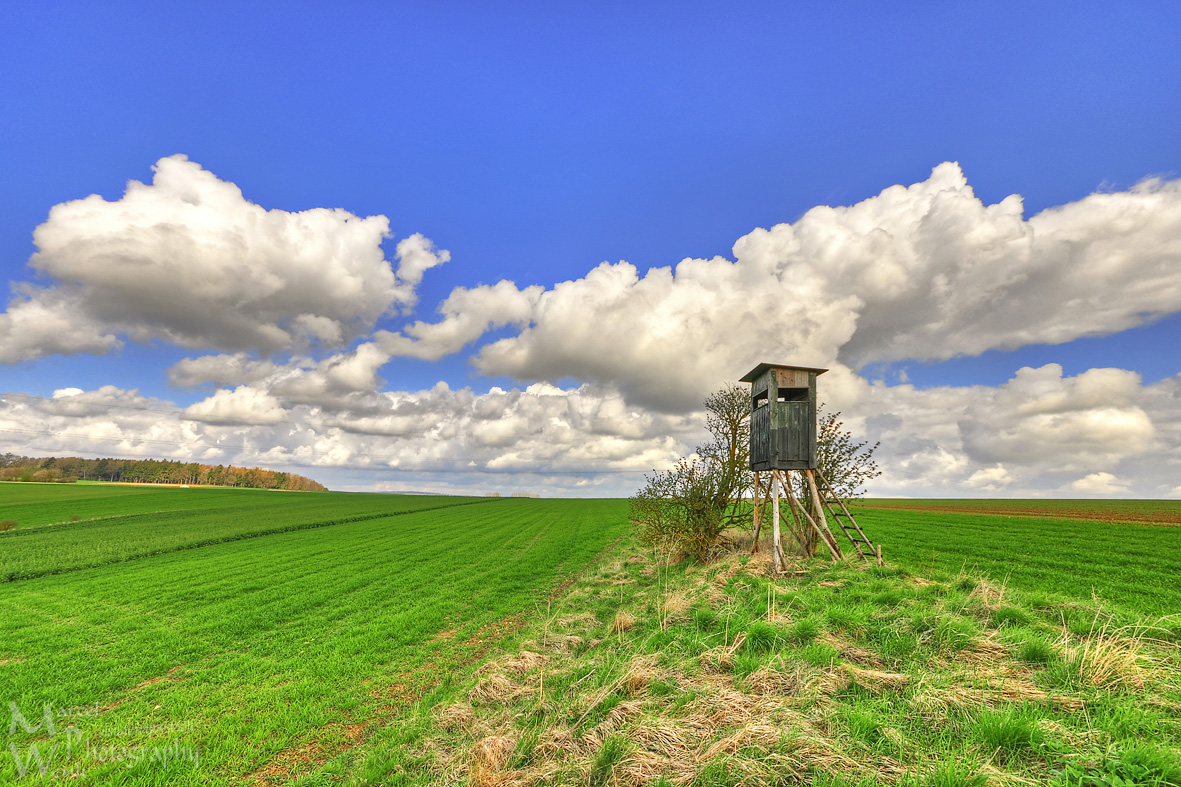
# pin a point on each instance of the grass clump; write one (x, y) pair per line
(607, 759)
(1135, 766)
(762, 637)
(1010, 733)
(1036, 649)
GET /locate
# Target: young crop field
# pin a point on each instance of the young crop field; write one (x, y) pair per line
(1158, 513)
(127, 526)
(222, 636)
(1125, 553)
(266, 654)
(34, 505)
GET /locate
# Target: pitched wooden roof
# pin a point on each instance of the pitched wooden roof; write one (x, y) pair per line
(750, 376)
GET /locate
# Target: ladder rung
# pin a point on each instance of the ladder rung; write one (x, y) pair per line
(860, 541)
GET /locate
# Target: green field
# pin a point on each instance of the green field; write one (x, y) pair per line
(264, 652)
(1126, 553)
(288, 635)
(66, 528)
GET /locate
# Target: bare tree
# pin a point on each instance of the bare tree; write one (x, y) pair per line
(689, 507)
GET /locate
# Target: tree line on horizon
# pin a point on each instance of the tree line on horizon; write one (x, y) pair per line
(148, 471)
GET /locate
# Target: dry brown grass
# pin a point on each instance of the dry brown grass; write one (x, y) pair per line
(761, 564)
(752, 734)
(990, 595)
(1110, 659)
(624, 621)
(849, 651)
(557, 644)
(986, 689)
(525, 661)
(497, 688)
(581, 620)
(721, 658)
(674, 607)
(780, 683)
(457, 717)
(489, 758)
(877, 680)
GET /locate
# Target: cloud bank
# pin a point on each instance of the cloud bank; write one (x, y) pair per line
(1098, 433)
(920, 272)
(296, 315)
(187, 260)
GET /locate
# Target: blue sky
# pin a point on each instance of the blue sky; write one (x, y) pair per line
(533, 142)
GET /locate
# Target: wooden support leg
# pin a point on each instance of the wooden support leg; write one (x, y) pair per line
(758, 524)
(797, 527)
(775, 518)
(828, 540)
(818, 506)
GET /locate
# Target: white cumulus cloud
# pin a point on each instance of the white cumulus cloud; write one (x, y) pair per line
(188, 260)
(1100, 484)
(926, 271)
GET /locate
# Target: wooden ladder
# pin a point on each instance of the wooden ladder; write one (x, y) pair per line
(865, 548)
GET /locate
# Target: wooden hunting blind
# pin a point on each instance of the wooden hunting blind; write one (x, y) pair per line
(782, 417)
(782, 439)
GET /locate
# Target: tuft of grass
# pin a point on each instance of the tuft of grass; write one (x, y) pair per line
(864, 725)
(947, 776)
(805, 631)
(1036, 649)
(609, 756)
(1135, 766)
(705, 619)
(844, 618)
(623, 621)
(1110, 659)
(952, 634)
(1004, 617)
(1011, 733)
(762, 637)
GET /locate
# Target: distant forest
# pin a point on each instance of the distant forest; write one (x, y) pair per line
(69, 469)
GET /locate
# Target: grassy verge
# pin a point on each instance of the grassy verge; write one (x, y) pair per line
(648, 674)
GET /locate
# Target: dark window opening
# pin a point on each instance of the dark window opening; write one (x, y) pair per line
(760, 400)
(793, 394)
